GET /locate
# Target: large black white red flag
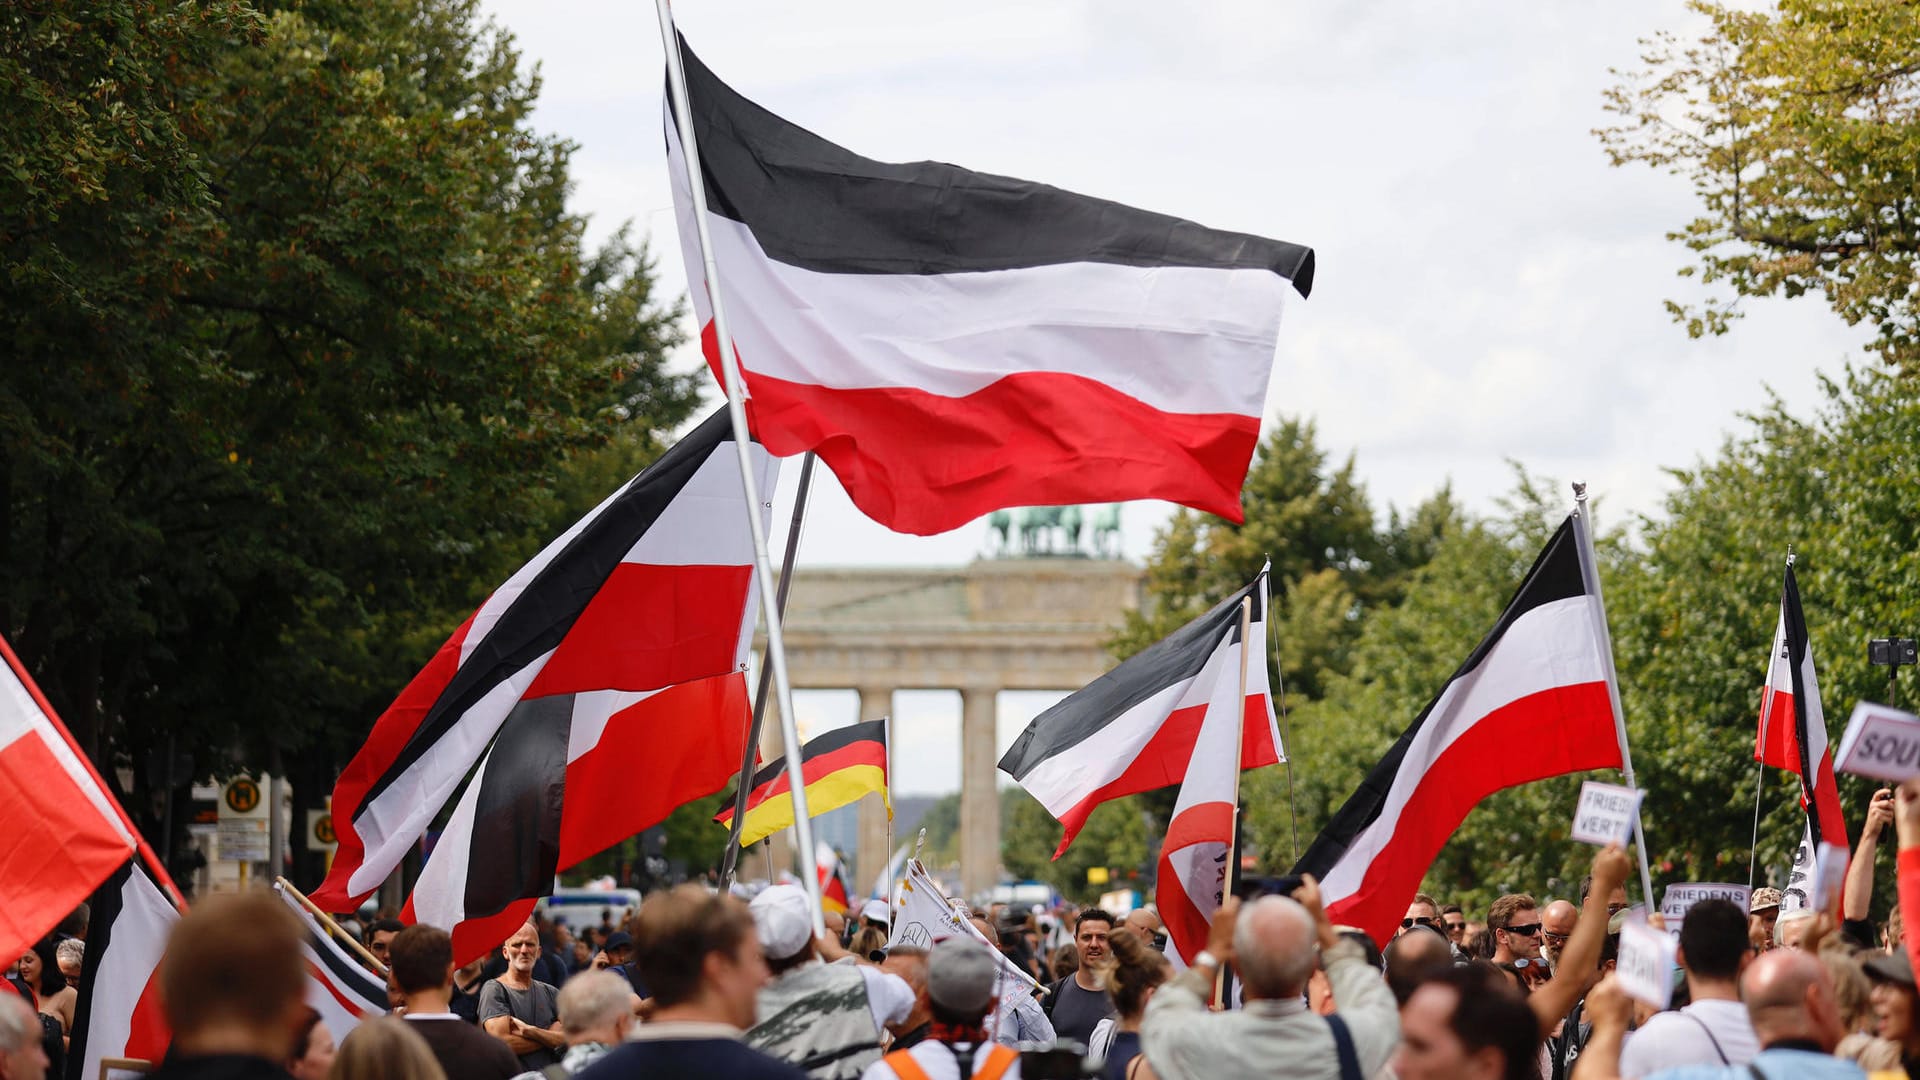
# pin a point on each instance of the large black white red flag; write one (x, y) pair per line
(1531, 702)
(1133, 729)
(1793, 727)
(341, 990)
(118, 1013)
(1192, 876)
(951, 342)
(600, 683)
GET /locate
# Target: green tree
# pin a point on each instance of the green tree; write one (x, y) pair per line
(1799, 129)
(1115, 837)
(296, 371)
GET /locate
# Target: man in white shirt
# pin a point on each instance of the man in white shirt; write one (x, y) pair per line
(829, 1019)
(1715, 1028)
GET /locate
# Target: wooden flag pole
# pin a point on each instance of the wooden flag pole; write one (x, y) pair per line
(1590, 571)
(730, 859)
(333, 928)
(734, 382)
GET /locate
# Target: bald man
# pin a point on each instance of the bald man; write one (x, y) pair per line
(1271, 943)
(1789, 997)
(1148, 926)
(1556, 926)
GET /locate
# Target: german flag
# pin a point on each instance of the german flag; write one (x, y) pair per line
(840, 767)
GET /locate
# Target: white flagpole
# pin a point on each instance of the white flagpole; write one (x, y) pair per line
(1239, 751)
(1590, 573)
(737, 411)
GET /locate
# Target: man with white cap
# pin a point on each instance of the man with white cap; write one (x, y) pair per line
(962, 975)
(827, 1019)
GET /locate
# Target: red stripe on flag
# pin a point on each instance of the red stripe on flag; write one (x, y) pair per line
(148, 1034)
(648, 627)
(1775, 741)
(1187, 925)
(55, 848)
(678, 745)
(1562, 730)
(1033, 438)
(317, 974)
(1162, 762)
(384, 743)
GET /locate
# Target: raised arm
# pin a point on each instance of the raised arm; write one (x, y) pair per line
(1856, 901)
(1580, 960)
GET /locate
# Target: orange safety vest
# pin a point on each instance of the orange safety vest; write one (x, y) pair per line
(999, 1060)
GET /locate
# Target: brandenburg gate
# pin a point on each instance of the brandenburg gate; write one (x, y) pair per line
(1021, 621)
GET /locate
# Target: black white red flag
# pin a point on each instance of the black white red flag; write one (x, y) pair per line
(118, 1013)
(951, 342)
(1193, 872)
(1531, 702)
(1134, 728)
(602, 685)
(1793, 727)
(339, 988)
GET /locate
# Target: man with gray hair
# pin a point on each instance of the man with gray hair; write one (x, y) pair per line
(20, 1055)
(1271, 944)
(596, 1012)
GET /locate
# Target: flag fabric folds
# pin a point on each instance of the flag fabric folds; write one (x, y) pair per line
(1193, 871)
(63, 833)
(1529, 703)
(839, 767)
(1793, 727)
(925, 916)
(1133, 729)
(951, 342)
(339, 988)
(118, 1013)
(609, 669)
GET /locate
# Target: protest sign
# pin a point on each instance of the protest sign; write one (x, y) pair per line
(1646, 962)
(1683, 895)
(1829, 875)
(1605, 813)
(1880, 742)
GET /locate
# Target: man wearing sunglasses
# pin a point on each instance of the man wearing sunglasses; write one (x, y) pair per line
(1514, 922)
(1455, 924)
(1556, 926)
(1424, 911)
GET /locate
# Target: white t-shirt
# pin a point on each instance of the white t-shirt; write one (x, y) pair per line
(1703, 1033)
(937, 1060)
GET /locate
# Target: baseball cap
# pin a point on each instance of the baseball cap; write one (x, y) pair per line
(1763, 900)
(876, 911)
(619, 939)
(960, 975)
(1891, 967)
(784, 920)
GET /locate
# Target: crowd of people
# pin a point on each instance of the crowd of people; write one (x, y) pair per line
(701, 983)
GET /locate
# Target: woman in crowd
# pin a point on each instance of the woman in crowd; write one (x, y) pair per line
(1133, 972)
(312, 1057)
(385, 1048)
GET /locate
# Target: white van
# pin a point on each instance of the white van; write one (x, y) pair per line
(582, 908)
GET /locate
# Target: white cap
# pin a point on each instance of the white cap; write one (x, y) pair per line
(784, 920)
(876, 910)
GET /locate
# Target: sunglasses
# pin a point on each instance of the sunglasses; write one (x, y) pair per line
(1528, 930)
(1408, 924)
(1521, 962)
(1557, 939)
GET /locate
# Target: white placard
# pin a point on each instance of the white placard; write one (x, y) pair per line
(1881, 742)
(1645, 966)
(1829, 876)
(1681, 896)
(1605, 813)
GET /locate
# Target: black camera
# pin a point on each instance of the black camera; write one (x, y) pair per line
(1893, 652)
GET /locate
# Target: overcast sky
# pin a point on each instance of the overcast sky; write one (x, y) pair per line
(1488, 289)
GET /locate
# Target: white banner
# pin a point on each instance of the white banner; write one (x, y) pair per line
(1645, 966)
(1605, 813)
(1681, 896)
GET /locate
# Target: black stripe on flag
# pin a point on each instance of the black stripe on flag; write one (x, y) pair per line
(1176, 658)
(516, 821)
(816, 205)
(1555, 576)
(344, 972)
(103, 908)
(536, 622)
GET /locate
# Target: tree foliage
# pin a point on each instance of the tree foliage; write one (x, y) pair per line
(305, 353)
(1799, 129)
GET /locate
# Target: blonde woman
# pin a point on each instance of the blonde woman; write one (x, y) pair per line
(384, 1048)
